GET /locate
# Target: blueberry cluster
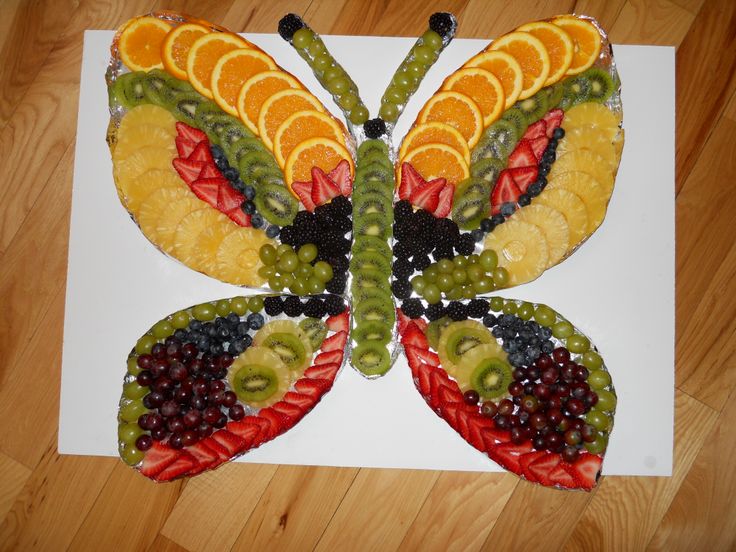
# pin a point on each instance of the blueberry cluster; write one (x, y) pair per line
(524, 341)
(315, 307)
(225, 334)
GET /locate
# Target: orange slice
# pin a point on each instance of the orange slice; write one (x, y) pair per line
(586, 39)
(204, 55)
(531, 54)
(456, 110)
(231, 72)
(257, 90)
(140, 43)
(438, 161)
(506, 69)
(483, 87)
(558, 44)
(176, 45)
(315, 152)
(279, 107)
(302, 126)
(437, 133)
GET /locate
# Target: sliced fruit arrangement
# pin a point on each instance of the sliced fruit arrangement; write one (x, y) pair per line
(211, 382)
(517, 381)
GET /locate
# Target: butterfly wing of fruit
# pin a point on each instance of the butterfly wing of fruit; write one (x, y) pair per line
(226, 162)
(213, 381)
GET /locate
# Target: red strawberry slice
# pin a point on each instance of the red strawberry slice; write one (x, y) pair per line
(415, 355)
(450, 412)
(202, 153)
(239, 217)
(208, 189)
(423, 380)
(303, 402)
(522, 156)
(538, 145)
(263, 424)
(181, 466)
(507, 455)
(289, 410)
(184, 146)
(560, 476)
(204, 456)
(536, 130)
(421, 323)
(304, 191)
(279, 421)
(210, 171)
(444, 203)
(410, 180)
(335, 342)
(414, 336)
(314, 388)
(553, 119)
(526, 459)
(427, 196)
(437, 380)
(585, 470)
(476, 425)
(524, 176)
(190, 133)
(323, 371)
(249, 431)
(339, 322)
(492, 437)
(323, 188)
(543, 466)
(157, 458)
(449, 395)
(218, 449)
(340, 175)
(401, 320)
(505, 191)
(188, 170)
(328, 358)
(229, 198)
(230, 441)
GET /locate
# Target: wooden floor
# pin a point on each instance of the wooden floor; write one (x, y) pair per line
(52, 502)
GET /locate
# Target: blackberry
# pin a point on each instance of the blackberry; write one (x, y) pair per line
(402, 250)
(303, 218)
(442, 23)
(402, 209)
(314, 307)
(342, 223)
(339, 264)
(402, 268)
(457, 311)
(478, 308)
(341, 206)
(374, 128)
(401, 288)
(290, 24)
(442, 253)
(425, 223)
(465, 245)
(435, 312)
(420, 262)
(293, 306)
(337, 284)
(273, 305)
(288, 235)
(412, 308)
(490, 321)
(334, 305)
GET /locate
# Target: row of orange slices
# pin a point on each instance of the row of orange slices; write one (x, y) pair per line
(246, 83)
(513, 67)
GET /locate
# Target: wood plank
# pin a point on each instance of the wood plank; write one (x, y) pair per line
(482, 19)
(605, 13)
(162, 544)
(379, 508)
(215, 506)
(730, 111)
(13, 477)
(702, 515)
(625, 511)
(295, 509)
(693, 6)
(261, 17)
(643, 22)
(460, 511)
(54, 501)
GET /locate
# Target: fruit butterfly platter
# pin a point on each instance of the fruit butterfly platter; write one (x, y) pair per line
(356, 245)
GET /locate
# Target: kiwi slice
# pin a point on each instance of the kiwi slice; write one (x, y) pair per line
(178, 86)
(434, 329)
(469, 210)
(374, 172)
(376, 332)
(491, 378)
(517, 117)
(487, 170)
(255, 163)
(255, 382)
(156, 89)
(372, 146)
(460, 337)
(231, 133)
(371, 358)
(211, 119)
(377, 157)
(363, 189)
(185, 107)
(554, 94)
(239, 149)
(370, 260)
(473, 186)
(315, 330)
(601, 84)
(258, 377)
(276, 204)
(270, 176)
(368, 278)
(374, 224)
(373, 203)
(576, 90)
(534, 107)
(371, 243)
(498, 141)
(128, 89)
(361, 294)
(287, 340)
(375, 310)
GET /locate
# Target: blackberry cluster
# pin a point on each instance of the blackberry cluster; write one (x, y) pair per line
(290, 24)
(457, 311)
(316, 306)
(374, 128)
(412, 308)
(524, 341)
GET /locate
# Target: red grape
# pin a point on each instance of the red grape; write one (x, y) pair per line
(561, 355)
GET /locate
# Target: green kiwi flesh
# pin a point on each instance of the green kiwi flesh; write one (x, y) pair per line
(255, 382)
(375, 332)
(491, 378)
(276, 204)
(371, 358)
(315, 330)
(288, 347)
(464, 339)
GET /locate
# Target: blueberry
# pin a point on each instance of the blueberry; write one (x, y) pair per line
(217, 151)
(486, 225)
(181, 335)
(195, 324)
(233, 318)
(242, 328)
(272, 231)
(549, 157)
(249, 192)
(544, 332)
(517, 359)
(237, 346)
(547, 347)
(256, 220)
(478, 234)
(497, 331)
(221, 163)
(542, 179)
(507, 209)
(524, 200)
(255, 321)
(532, 354)
(216, 349)
(497, 219)
(248, 340)
(248, 207)
(509, 333)
(544, 168)
(552, 144)
(534, 189)
(509, 346)
(223, 333)
(489, 320)
(558, 133)
(231, 174)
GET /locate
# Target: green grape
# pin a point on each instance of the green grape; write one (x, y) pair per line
(128, 433)
(417, 283)
(496, 304)
(592, 360)
(597, 446)
(606, 400)
(307, 253)
(475, 272)
(222, 307)
(599, 379)
(430, 273)
(425, 54)
(239, 305)
(303, 38)
(283, 248)
(133, 367)
(274, 282)
(305, 270)
(545, 315)
(287, 280)
(315, 285)
(162, 329)
(299, 287)
(484, 285)
(417, 69)
(144, 345)
(578, 343)
(132, 390)
(445, 266)
(509, 307)
(180, 320)
(395, 95)
(268, 254)
(131, 455)
(131, 411)
(347, 101)
(389, 112)
(333, 73)
(445, 282)
(455, 294)
(322, 62)
(317, 47)
(598, 419)
(358, 115)
(255, 303)
(288, 262)
(338, 86)
(204, 312)
(323, 271)
(469, 291)
(525, 312)
(488, 260)
(266, 272)
(460, 276)
(432, 39)
(473, 259)
(432, 294)
(404, 80)
(460, 262)
(562, 329)
(500, 276)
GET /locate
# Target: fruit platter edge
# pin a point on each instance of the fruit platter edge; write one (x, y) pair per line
(619, 287)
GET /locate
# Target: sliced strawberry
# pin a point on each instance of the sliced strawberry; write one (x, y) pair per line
(538, 146)
(229, 198)
(323, 188)
(462, 422)
(423, 380)
(279, 421)
(507, 455)
(158, 457)
(444, 204)
(339, 322)
(202, 153)
(323, 371)
(340, 175)
(505, 191)
(553, 119)
(218, 449)
(289, 410)
(230, 441)
(239, 217)
(522, 156)
(204, 456)
(414, 336)
(184, 146)
(188, 170)
(249, 431)
(421, 323)
(560, 476)
(450, 412)
(492, 437)
(437, 380)
(208, 189)
(190, 133)
(536, 130)
(446, 394)
(210, 171)
(304, 191)
(524, 176)
(328, 358)
(181, 466)
(314, 388)
(335, 342)
(401, 320)
(526, 459)
(410, 180)
(543, 466)
(416, 355)
(585, 470)
(476, 425)
(303, 402)
(263, 424)
(427, 196)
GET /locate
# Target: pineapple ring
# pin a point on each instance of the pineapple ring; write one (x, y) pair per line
(521, 248)
(286, 327)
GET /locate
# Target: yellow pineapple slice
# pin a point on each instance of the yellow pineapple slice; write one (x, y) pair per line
(237, 257)
(153, 208)
(288, 341)
(554, 226)
(148, 114)
(188, 230)
(138, 162)
(206, 245)
(572, 208)
(140, 137)
(138, 189)
(585, 161)
(521, 248)
(589, 138)
(591, 113)
(172, 216)
(586, 188)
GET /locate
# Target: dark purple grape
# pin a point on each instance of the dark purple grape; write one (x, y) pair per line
(211, 414)
(489, 409)
(541, 391)
(554, 402)
(570, 454)
(175, 425)
(516, 389)
(189, 350)
(236, 412)
(159, 434)
(505, 407)
(200, 387)
(554, 442)
(196, 366)
(575, 407)
(537, 420)
(159, 368)
(514, 420)
(192, 418)
(590, 400)
(543, 362)
(177, 371)
(200, 403)
(533, 373)
(561, 355)
(589, 433)
(555, 416)
(563, 390)
(220, 423)
(144, 442)
(225, 360)
(519, 374)
(529, 388)
(216, 386)
(169, 408)
(550, 375)
(175, 441)
(579, 389)
(182, 396)
(144, 378)
(581, 373)
(144, 362)
(158, 351)
(517, 435)
(529, 403)
(189, 437)
(502, 422)
(230, 399)
(539, 442)
(216, 399)
(573, 437)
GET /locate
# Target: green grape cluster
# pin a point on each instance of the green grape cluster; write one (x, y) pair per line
(285, 268)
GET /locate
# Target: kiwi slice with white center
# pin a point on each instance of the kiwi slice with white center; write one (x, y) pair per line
(374, 224)
(601, 84)
(258, 377)
(485, 370)
(371, 358)
(371, 243)
(369, 278)
(487, 169)
(185, 107)
(434, 330)
(361, 294)
(372, 146)
(457, 338)
(473, 186)
(375, 310)
(231, 132)
(256, 162)
(554, 94)
(470, 209)
(315, 330)
(498, 141)
(517, 117)
(371, 260)
(534, 107)
(128, 89)
(276, 204)
(239, 149)
(375, 332)
(289, 342)
(374, 203)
